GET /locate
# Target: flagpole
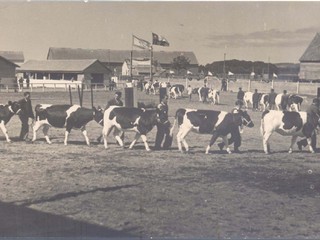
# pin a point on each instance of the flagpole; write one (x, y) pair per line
(131, 59)
(151, 57)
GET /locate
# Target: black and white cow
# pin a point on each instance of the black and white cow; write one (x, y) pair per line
(214, 96)
(64, 116)
(217, 123)
(6, 113)
(176, 90)
(295, 124)
(294, 102)
(125, 119)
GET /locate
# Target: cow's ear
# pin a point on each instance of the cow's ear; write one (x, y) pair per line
(10, 103)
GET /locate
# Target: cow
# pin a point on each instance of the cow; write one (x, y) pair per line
(217, 123)
(203, 93)
(294, 102)
(295, 124)
(264, 101)
(6, 113)
(214, 96)
(64, 116)
(176, 90)
(248, 98)
(125, 119)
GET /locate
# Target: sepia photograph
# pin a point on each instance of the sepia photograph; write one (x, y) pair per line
(159, 119)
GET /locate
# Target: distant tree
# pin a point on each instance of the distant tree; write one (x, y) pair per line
(179, 63)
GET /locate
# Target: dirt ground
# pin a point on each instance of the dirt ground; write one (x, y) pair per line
(79, 191)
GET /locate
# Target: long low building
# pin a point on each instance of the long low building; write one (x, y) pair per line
(90, 71)
(114, 59)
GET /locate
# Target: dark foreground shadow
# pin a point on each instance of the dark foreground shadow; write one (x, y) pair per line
(22, 221)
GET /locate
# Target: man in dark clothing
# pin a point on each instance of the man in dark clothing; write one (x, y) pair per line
(284, 100)
(116, 101)
(240, 95)
(235, 132)
(314, 108)
(255, 100)
(272, 99)
(163, 127)
(26, 113)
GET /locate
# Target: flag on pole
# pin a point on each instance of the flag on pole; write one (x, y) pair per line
(159, 40)
(275, 75)
(140, 43)
(188, 72)
(252, 74)
(210, 73)
(230, 73)
(171, 72)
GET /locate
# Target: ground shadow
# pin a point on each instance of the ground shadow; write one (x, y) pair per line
(18, 220)
(21, 221)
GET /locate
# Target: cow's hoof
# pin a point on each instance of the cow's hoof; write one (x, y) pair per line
(9, 141)
(290, 151)
(148, 150)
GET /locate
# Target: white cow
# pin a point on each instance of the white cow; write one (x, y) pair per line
(248, 98)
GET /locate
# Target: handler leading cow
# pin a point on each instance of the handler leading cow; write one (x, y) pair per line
(217, 123)
(295, 124)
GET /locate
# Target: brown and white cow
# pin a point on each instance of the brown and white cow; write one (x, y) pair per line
(295, 124)
(6, 113)
(125, 119)
(64, 116)
(216, 123)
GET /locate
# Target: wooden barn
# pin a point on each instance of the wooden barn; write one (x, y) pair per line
(7, 72)
(90, 71)
(114, 59)
(16, 57)
(310, 61)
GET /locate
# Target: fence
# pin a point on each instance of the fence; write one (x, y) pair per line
(56, 87)
(303, 88)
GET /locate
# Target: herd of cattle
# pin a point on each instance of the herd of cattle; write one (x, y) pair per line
(293, 123)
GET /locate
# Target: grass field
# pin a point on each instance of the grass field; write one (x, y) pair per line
(79, 191)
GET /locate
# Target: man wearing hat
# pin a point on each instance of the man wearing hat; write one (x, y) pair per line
(240, 95)
(26, 113)
(116, 101)
(163, 132)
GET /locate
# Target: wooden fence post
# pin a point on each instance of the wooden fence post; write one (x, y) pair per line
(298, 85)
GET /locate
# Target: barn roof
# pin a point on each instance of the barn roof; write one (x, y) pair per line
(312, 53)
(117, 56)
(13, 56)
(8, 61)
(59, 65)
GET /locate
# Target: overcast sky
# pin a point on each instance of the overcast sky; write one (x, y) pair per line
(253, 31)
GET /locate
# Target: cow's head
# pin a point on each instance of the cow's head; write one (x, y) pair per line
(14, 107)
(98, 115)
(246, 119)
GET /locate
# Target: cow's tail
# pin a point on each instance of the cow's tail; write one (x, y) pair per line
(178, 117)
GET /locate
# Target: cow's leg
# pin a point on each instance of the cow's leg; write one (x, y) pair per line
(105, 132)
(4, 130)
(117, 134)
(309, 140)
(66, 134)
(293, 141)
(136, 137)
(45, 131)
(144, 139)
(85, 134)
(265, 141)
(226, 143)
(214, 137)
(35, 128)
(181, 137)
(218, 99)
